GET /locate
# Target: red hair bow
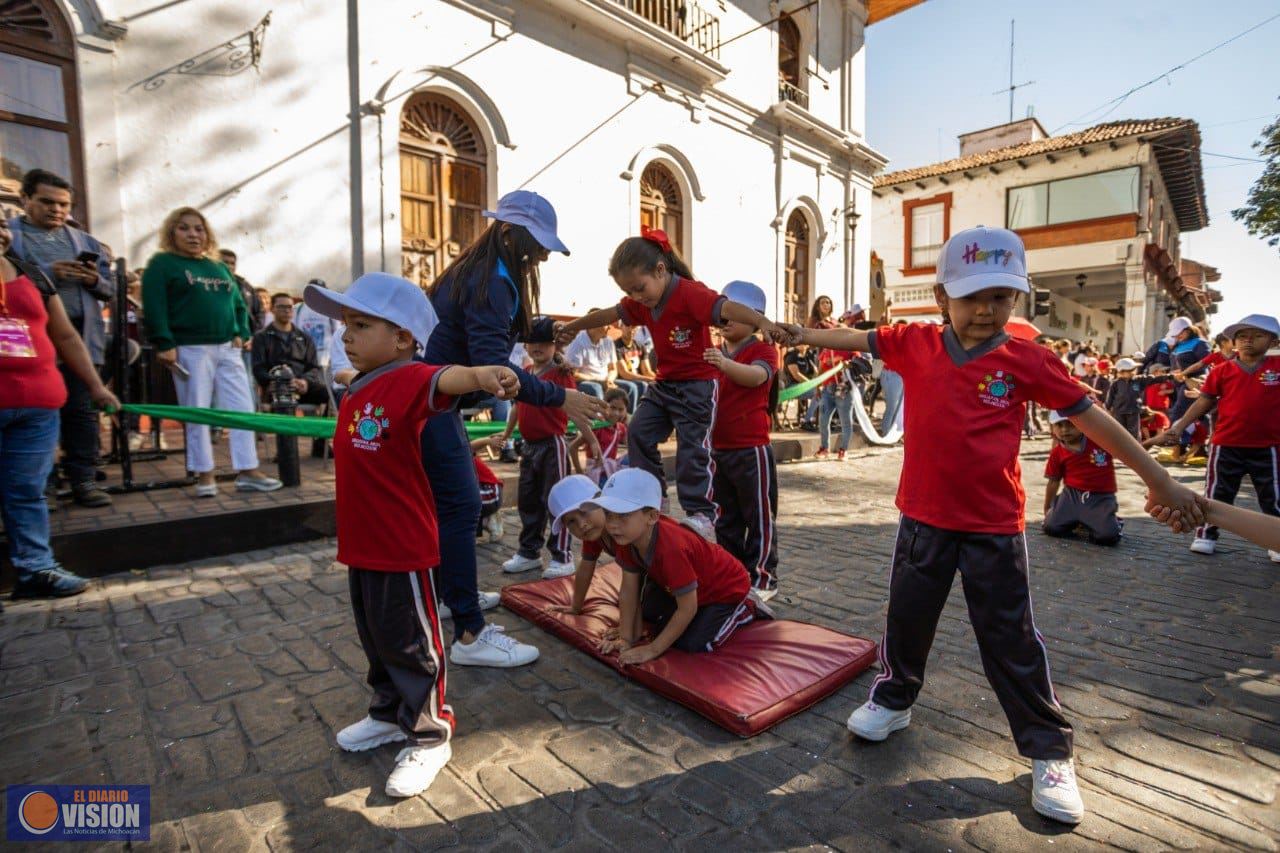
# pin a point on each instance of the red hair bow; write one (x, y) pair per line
(656, 235)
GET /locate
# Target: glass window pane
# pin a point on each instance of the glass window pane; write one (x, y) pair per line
(1028, 206)
(1094, 196)
(926, 235)
(23, 148)
(31, 88)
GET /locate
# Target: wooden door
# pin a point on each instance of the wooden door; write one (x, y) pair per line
(797, 261)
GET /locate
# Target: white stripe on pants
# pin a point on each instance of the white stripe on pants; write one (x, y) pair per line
(218, 379)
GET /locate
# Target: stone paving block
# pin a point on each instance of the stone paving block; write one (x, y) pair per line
(216, 679)
(618, 769)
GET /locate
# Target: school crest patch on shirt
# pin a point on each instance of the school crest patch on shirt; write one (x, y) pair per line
(996, 389)
(1269, 377)
(368, 427)
(1099, 457)
(680, 337)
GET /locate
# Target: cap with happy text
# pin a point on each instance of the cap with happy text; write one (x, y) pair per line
(982, 257)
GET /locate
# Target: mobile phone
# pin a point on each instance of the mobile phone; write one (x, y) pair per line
(87, 258)
(180, 370)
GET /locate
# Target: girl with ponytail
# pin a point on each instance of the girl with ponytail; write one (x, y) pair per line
(659, 292)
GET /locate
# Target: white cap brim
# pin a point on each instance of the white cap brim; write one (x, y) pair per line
(557, 523)
(613, 503)
(330, 303)
(1230, 331)
(971, 284)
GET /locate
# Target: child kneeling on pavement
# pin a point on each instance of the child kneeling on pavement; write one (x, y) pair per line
(695, 593)
(387, 530)
(1089, 499)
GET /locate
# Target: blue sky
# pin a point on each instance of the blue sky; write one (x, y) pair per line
(931, 71)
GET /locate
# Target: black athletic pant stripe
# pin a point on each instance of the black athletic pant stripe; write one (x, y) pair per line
(542, 464)
(993, 571)
(1226, 470)
(398, 621)
(746, 488)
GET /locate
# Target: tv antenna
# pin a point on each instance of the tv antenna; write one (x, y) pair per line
(1013, 87)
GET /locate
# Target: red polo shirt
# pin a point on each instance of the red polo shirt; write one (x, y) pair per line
(386, 512)
(681, 327)
(1248, 403)
(540, 422)
(742, 414)
(591, 551)
(964, 420)
(1089, 469)
(611, 438)
(679, 560)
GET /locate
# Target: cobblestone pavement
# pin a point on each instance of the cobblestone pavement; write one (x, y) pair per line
(222, 684)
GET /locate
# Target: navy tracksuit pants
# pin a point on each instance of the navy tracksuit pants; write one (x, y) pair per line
(689, 408)
(1227, 467)
(746, 488)
(993, 569)
(543, 463)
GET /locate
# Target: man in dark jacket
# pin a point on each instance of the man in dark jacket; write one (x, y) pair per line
(80, 268)
(284, 343)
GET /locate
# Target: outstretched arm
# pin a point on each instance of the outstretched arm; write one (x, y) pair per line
(501, 382)
(594, 320)
(1162, 490)
(736, 311)
(849, 340)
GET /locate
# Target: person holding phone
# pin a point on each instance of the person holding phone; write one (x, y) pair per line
(80, 269)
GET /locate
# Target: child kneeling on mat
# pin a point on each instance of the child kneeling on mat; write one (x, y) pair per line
(694, 592)
(386, 516)
(1089, 500)
(571, 509)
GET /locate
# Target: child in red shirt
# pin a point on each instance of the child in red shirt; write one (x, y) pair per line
(660, 294)
(544, 461)
(1246, 435)
(1153, 423)
(693, 591)
(962, 499)
(386, 516)
(1159, 394)
(610, 437)
(1089, 499)
(746, 477)
(490, 492)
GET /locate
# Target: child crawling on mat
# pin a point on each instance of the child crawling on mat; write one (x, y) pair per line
(695, 593)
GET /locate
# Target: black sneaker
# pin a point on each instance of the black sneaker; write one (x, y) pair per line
(508, 455)
(56, 582)
(89, 494)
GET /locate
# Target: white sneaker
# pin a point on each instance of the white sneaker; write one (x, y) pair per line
(367, 734)
(765, 594)
(486, 600)
(557, 569)
(493, 526)
(872, 722)
(702, 526)
(206, 490)
(1274, 555)
(519, 564)
(1054, 792)
(492, 647)
(416, 768)
(258, 484)
(1203, 546)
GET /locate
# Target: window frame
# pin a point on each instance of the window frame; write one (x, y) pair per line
(1137, 202)
(908, 207)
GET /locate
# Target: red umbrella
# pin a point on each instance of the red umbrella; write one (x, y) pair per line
(1022, 329)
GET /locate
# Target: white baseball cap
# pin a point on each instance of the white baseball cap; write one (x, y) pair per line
(629, 490)
(982, 257)
(1126, 364)
(382, 295)
(1056, 417)
(1177, 326)
(567, 495)
(1261, 322)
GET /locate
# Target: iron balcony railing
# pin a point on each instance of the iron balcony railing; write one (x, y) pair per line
(789, 92)
(691, 24)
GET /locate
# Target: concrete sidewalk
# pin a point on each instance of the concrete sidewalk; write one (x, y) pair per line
(221, 684)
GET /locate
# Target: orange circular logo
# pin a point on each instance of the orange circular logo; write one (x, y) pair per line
(38, 812)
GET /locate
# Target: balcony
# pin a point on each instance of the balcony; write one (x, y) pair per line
(671, 34)
(794, 94)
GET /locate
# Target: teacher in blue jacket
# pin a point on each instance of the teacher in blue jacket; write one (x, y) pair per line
(484, 299)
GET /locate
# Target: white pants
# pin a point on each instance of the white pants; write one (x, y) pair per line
(218, 379)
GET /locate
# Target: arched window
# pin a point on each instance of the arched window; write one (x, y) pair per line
(39, 113)
(796, 296)
(662, 204)
(790, 85)
(442, 185)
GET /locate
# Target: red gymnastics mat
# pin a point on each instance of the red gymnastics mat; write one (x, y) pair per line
(766, 672)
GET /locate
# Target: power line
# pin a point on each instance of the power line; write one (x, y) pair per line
(1114, 103)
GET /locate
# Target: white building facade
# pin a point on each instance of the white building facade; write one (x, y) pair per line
(327, 138)
(1100, 213)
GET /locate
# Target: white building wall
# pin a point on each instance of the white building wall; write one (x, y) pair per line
(266, 152)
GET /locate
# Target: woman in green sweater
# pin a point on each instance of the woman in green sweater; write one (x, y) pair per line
(198, 323)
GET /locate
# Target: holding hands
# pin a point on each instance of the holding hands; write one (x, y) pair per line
(499, 381)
